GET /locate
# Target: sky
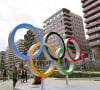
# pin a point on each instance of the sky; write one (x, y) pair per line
(14, 12)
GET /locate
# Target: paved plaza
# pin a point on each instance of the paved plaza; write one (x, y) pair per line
(54, 84)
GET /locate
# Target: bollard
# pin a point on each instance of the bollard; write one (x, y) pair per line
(67, 80)
(8, 77)
(43, 84)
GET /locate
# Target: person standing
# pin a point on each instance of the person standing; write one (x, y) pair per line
(15, 77)
(22, 76)
(25, 75)
(4, 74)
(84, 67)
(81, 67)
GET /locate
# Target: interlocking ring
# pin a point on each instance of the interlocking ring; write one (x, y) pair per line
(60, 39)
(77, 47)
(52, 65)
(71, 66)
(48, 51)
(13, 46)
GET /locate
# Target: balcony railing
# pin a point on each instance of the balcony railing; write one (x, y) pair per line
(68, 36)
(67, 14)
(96, 29)
(92, 11)
(68, 31)
(93, 24)
(91, 6)
(68, 22)
(66, 18)
(92, 44)
(87, 2)
(92, 18)
(94, 37)
(83, 0)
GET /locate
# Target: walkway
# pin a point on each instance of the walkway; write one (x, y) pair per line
(55, 84)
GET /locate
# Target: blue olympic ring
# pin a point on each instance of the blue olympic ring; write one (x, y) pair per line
(13, 46)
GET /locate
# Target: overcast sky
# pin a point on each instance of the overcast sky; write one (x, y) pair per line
(14, 12)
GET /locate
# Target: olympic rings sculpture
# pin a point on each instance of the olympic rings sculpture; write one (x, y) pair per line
(49, 53)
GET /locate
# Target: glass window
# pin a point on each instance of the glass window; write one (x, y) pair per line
(45, 24)
(98, 40)
(58, 15)
(97, 34)
(64, 34)
(54, 17)
(61, 13)
(50, 20)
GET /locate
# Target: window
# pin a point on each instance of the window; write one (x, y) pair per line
(54, 17)
(64, 34)
(47, 24)
(98, 40)
(58, 15)
(97, 34)
(61, 13)
(50, 20)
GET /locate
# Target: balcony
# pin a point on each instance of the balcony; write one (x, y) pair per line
(91, 6)
(70, 46)
(87, 2)
(94, 30)
(68, 32)
(66, 18)
(67, 27)
(66, 14)
(93, 44)
(68, 36)
(88, 26)
(94, 37)
(83, 1)
(95, 10)
(68, 23)
(92, 18)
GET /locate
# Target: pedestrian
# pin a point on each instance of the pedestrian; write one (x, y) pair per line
(22, 76)
(84, 67)
(20, 73)
(4, 74)
(81, 67)
(15, 77)
(25, 70)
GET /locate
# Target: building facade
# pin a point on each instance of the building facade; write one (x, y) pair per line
(91, 10)
(67, 24)
(11, 58)
(2, 59)
(30, 39)
(78, 31)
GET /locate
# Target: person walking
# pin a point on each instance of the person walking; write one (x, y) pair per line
(4, 74)
(15, 78)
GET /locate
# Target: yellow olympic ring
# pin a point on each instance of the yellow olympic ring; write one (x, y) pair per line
(46, 74)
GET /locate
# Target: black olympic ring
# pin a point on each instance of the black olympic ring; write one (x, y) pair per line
(51, 33)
